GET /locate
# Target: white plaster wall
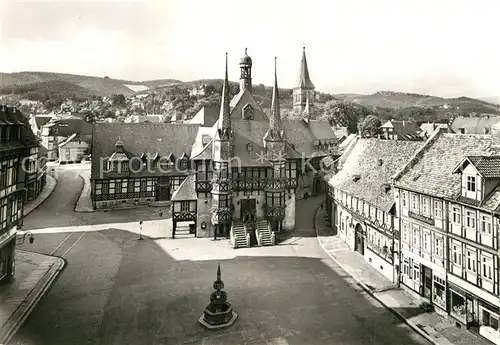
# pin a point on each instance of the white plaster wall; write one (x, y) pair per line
(203, 206)
(379, 264)
(289, 221)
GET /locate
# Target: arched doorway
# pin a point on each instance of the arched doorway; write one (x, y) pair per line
(359, 243)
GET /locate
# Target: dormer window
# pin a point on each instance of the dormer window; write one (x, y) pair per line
(471, 183)
(248, 112)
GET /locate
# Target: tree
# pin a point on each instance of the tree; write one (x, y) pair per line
(343, 114)
(118, 99)
(369, 126)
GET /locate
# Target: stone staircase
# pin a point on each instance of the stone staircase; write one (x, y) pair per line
(239, 236)
(264, 235)
(182, 231)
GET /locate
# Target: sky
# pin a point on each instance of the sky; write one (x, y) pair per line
(441, 47)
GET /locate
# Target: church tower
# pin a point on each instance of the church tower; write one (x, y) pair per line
(223, 145)
(274, 141)
(246, 73)
(304, 91)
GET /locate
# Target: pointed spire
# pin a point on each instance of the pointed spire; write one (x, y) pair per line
(224, 121)
(304, 78)
(275, 120)
(218, 271)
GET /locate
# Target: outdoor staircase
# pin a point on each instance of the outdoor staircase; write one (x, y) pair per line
(182, 231)
(264, 231)
(239, 236)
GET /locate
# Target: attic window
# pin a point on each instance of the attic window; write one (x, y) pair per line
(249, 147)
(416, 177)
(461, 130)
(386, 187)
(205, 139)
(356, 177)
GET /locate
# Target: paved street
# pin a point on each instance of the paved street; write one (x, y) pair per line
(119, 290)
(58, 209)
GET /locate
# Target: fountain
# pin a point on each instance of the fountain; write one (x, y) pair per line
(219, 313)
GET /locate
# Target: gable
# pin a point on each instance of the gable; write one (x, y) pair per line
(240, 101)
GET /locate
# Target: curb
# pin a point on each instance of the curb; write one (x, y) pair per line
(30, 304)
(48, 195)
(370, 292)
(80, 196)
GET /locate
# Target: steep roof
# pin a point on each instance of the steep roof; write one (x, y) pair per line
(140, 138)
(9, 116)
(69, 125)
(363, 162)
(207, 116)
(431, 172)
(304, 78)
(321, 129)
(488, 167)
(186, 190)
(474, 125)
(41, 120)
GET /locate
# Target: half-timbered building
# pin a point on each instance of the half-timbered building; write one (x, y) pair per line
(236, 175)
(16, 142)
(360, 202)
(448, 201)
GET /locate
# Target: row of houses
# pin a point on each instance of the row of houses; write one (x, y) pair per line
(426, 215)
(66, 138)
(22, 176)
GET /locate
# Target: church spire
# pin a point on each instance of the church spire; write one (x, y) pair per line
(224, 121)
(275, 120)
(275, 131)
(304, 78)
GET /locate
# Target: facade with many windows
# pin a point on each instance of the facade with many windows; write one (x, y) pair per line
(361, 200)
(448, 202)
(16, 143)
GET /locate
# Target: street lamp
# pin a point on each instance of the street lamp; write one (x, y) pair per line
(140, 231)
(31, 238)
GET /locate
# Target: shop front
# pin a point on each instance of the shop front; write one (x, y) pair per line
(463, 307)
(439, 292)
(488, 322)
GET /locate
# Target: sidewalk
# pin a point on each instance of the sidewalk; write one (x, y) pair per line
(84, 203)
(50, 185)
(34, 275)
(432, 326)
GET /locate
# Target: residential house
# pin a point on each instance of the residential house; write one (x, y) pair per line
(400, 130)
(37, 121)
(237, 176)
(58, 130)
(474, 124)
(16, 143)
(430, 127)
(360, 203)
(72, 149)
(448, 202)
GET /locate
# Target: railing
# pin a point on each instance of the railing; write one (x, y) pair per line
(203, 186)
(184, 216)
(276, 212)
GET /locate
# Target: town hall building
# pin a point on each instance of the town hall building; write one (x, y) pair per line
(235, 174)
